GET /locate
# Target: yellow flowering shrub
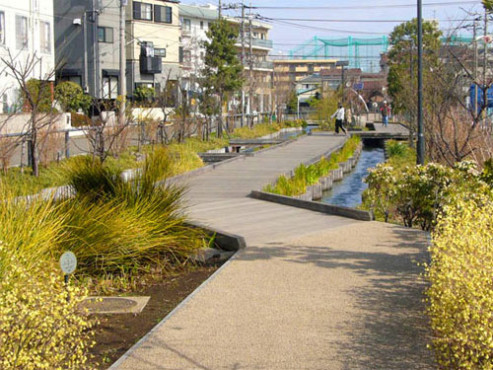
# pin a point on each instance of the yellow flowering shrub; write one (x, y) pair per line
(460, 295)
(39, 328)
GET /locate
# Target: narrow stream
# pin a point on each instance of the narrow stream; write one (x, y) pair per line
(348, 191)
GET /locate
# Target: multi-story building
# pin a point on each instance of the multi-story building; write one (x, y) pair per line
(195, 22)
(254, 49)
(26, 32)
(293, 70)
(153, 44)
(87, 42)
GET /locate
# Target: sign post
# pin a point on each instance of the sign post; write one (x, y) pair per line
(68, 264)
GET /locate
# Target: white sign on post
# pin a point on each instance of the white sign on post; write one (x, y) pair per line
(68, 262)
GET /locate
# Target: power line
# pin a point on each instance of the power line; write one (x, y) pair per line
(322, 28)
(366, 6)
(353, 20)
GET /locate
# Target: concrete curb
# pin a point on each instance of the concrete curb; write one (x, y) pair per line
(183, 303)
(226, 241)
(314, 206)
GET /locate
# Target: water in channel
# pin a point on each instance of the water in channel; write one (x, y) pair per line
(348, 191)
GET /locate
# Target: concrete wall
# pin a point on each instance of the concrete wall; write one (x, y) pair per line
(149, 113)
(19, 123)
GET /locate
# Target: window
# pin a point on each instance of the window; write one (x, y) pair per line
(201, 25)
(142, 11)
(45, 37)
(2, 28)
(21, 32)
(187, 24)
(105, 34)
(163, 14)
(160, 52)
(110, 87)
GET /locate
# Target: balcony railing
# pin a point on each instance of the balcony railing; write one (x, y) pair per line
(151, 65)
(262, 43)
(263, 65)
(259, 43)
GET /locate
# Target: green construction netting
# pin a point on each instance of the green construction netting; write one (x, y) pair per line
(361, 53)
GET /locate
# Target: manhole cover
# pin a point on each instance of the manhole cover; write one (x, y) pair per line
(108, 304)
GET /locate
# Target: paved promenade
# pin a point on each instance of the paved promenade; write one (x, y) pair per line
(310, 291)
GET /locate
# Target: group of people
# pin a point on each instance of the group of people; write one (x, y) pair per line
(340, 115)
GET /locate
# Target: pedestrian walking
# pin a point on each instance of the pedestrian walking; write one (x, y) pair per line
(339, 115)
(385, 109)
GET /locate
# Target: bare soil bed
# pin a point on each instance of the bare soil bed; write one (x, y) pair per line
(118, 332)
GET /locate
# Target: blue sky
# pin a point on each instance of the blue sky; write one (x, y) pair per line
(286, 37)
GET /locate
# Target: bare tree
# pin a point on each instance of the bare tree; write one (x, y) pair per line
(34, 96)
(107, 131)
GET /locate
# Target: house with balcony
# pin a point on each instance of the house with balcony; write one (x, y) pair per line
(258, 66)
(87, 44)
(194, 21)
(153, 44)
(26, 30)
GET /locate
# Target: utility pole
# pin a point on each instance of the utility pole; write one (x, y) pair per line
(242, 27)
(86, 68)
(95, 49)
(475, 74)
(485, 66)
(220, 9)
(250, 93)
(420, 158)
(123, 82)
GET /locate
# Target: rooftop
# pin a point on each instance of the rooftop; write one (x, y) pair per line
(208, 12)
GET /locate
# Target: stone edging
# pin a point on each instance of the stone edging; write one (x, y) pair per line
(226, 241)
(314, 206)
(315, 191)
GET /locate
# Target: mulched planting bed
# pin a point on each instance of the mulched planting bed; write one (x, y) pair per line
(117, 333)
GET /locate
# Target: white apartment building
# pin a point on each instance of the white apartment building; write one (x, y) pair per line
(194, 21)
(26, 30)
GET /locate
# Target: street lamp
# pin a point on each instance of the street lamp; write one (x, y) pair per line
(342, 64)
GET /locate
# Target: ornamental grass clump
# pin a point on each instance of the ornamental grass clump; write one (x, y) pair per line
(310, 175)
(119, 227)
(460, 295)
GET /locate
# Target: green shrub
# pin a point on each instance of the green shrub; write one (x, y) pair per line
(72, 98)
(38, 327)
(416, 195)
(460, 295)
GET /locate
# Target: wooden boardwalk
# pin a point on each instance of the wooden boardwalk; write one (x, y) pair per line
(310, 291)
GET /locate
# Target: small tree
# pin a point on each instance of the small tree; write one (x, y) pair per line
(36, 96)
(222, 72)
(144, 94)
(71, 97)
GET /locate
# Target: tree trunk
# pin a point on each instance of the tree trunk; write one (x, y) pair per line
(34, 145)
(220, 121)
